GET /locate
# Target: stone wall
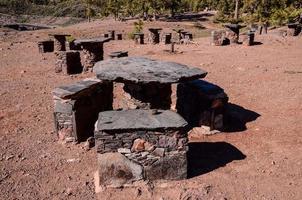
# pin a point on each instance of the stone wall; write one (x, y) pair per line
(76, 108)
(143, 96)
(144, 155)
(201, 103)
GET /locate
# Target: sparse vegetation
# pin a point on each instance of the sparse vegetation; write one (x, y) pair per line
(276, 12)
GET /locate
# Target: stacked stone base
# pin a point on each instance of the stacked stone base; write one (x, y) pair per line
(232, 36)
(167, 39)
(249, 39)
(143, 96)
(68, 62)
(127, 157)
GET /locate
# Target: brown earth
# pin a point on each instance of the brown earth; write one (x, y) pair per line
(263, 83)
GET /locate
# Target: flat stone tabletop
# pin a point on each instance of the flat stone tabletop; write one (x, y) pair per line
(73, 90)
(138, 34)
(91, 41)
(155, 29)
(59, 34)
(145, 70)
(131, 120)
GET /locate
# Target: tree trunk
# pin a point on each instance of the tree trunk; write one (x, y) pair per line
(236, 9)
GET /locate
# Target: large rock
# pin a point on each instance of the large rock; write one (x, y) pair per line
(115, 170)
(144, 70)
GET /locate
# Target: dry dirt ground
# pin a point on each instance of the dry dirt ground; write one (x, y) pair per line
(261, 159)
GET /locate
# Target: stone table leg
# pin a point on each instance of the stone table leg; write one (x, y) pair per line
(59, 43)
(92, 54)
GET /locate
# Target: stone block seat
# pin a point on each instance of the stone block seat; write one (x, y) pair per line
(136, 145)
(46, 46)
(76, 108)
(118, 54)
(202, 103)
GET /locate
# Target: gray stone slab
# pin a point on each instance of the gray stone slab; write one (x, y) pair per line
(91, 41)
(131, 120)
(72, 90)
(145, 70)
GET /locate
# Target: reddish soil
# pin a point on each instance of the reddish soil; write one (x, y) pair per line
(263, 83)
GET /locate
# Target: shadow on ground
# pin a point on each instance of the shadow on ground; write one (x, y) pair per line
(187, 17)
(237, 117)
(205, 157)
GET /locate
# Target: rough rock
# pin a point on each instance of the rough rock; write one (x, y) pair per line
(116, 170)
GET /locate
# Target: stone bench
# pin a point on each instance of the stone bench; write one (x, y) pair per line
(76, 108)
(118, 54)
(136, 145)
(119, 36)
(46, 46)
(167, 38)
(202, 103)
(68, 62)
(139, 38)
(249, 39)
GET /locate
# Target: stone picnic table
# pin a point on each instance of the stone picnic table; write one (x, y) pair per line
(147, 82)
(93, 50)
(155, 35)
(233, 34)
(59, 41)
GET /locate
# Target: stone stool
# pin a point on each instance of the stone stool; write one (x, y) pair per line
(119, 54)
(134, 145)
(202, 103)
(119, 36)
(93, 51)
(249, 39)
(155, 35)
(59, 41)
(167, 38)
(46, 46)
(76, 108)
(139, 38)
(68, 62)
